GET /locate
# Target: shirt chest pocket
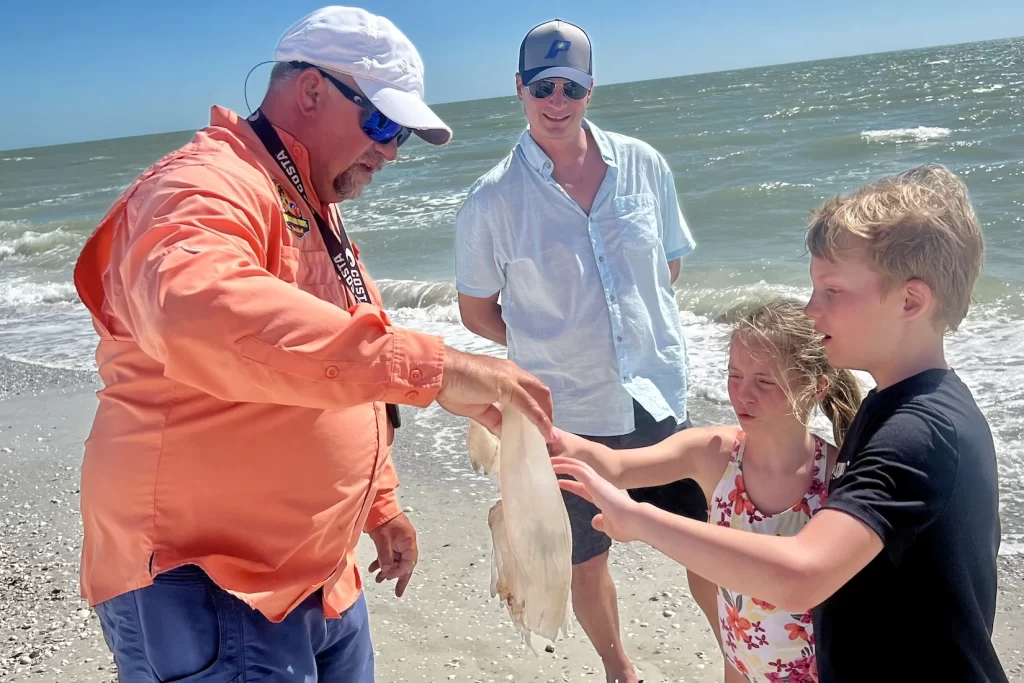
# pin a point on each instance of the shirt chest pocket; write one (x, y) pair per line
(636, 217)
(313, 273)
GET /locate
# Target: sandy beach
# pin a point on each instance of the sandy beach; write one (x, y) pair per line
(446, 628)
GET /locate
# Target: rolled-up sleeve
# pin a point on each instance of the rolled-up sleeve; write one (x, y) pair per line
(676, 237)
(199, 298)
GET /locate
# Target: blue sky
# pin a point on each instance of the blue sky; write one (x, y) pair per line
(74, 71)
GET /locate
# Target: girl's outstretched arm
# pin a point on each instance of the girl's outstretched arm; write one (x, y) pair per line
(696, 453)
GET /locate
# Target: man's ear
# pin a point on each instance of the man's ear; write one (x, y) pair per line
(309, 91)
(519, 86)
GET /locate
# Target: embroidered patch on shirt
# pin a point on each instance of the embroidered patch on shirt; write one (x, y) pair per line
(293, 217)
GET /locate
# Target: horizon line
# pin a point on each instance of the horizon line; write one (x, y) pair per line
(599, 85)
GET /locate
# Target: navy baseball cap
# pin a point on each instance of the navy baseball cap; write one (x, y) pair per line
(556, 49)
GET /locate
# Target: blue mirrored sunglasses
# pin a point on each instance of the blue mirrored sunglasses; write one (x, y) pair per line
(377, 127)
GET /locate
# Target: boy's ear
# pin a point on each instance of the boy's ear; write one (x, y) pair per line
(917, 299)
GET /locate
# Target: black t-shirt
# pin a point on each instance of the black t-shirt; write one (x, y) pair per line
(919, 467)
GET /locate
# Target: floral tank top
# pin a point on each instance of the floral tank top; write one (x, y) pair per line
(765, 643)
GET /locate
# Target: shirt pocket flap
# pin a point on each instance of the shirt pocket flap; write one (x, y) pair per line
(637, 218)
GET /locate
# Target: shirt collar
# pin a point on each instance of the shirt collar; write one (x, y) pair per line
(539, 161)
(222, 117)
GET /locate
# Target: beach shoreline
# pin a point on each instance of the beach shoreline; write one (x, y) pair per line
(446, 627)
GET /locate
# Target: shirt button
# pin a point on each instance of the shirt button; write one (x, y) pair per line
(619, 338)
(412, 395)
(415, 375)
(331, 372)
(611, 297)
(601, 259)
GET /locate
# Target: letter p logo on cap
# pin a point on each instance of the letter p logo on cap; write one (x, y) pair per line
(556, 47)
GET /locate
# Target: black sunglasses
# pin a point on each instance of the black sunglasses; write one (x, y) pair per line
(545, 88)
(377, 127)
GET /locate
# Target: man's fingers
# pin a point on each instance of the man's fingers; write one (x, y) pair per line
(598, 522)
(402, 564)
(385, 555)
(542, 395)
(405, 566)
(393, 574)
(407, 553)
(491, 419)
(397, 569)
(528, 406)
(403, 581)
(374, 566)
(576, 487)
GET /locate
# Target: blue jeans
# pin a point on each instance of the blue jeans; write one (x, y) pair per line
(185, 629)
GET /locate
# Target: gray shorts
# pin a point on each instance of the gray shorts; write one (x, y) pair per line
(683, 497)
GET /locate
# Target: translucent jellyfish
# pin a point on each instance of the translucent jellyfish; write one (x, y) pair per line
(483, 448)
(531, 556)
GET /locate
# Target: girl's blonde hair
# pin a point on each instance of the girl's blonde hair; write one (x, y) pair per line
(783, 329)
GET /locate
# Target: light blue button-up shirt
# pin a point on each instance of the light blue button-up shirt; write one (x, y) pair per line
(587, 300)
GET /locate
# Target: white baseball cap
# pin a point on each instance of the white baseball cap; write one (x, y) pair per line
(384, 63)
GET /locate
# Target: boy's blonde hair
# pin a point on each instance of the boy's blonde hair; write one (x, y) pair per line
(783, 330)
(916, 225)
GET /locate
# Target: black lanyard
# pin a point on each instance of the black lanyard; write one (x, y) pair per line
(340, 250)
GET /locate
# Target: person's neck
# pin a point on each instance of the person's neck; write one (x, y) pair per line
(291, 122)
(570, 151)
(785, 450)
(283, 117)
(908, 358)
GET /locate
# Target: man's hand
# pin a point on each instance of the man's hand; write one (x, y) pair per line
(618, 510)
(471, 385)
(397, 552)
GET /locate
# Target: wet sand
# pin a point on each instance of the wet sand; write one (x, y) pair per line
(446, 627)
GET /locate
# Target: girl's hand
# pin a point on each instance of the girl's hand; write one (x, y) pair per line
(618, 510)
(568, 445)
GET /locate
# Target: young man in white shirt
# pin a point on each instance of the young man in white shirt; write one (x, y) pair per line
(580, 234)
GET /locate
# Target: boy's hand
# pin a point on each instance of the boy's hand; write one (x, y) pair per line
(618, 510)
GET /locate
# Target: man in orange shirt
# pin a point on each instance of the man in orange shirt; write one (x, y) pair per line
(251, 379)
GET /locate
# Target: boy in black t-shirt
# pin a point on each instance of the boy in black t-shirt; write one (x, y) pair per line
(900, 563)
(893, 267)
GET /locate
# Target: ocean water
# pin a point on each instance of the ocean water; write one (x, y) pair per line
(752, 151)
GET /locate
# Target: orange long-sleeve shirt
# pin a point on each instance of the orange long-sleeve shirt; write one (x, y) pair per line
(241, 426)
